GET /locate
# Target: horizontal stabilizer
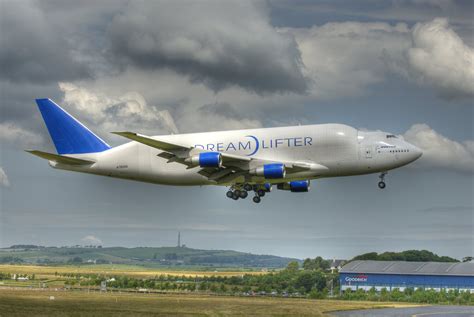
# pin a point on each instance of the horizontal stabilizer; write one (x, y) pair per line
(60, 159)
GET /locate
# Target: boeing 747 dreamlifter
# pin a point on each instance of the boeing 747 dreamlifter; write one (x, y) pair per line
(244, 160)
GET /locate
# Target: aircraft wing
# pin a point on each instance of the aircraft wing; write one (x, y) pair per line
(164, 146)
(233, 166)
(176, 151)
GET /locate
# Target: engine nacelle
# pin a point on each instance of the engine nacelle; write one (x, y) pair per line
(271, 171)
(295, 186)
(206, 159)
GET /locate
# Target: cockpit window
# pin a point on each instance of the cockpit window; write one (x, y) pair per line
(389, 136)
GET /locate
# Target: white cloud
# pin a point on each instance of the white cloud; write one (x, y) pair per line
(440, 58)
(440, 151)
(194, 108)
(347, 58)
(90, 239)
(128, 111)
(4, 178)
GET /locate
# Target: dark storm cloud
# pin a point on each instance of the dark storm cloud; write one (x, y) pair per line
(216, 43)
(31, 50)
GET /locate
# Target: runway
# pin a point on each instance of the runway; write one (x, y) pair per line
(425, 311)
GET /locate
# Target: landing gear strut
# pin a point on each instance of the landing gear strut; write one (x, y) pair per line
(382, 180)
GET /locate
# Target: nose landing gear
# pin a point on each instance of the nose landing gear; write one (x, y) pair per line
(382, 180)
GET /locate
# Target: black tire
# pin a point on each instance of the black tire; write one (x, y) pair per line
(229, 194)
(256, 199)
(382, 185)
(261, 192)
(235, 196)
(243, 194)
(248, 187)
(237, 192)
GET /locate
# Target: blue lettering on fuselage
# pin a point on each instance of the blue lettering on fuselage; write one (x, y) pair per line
(244, 146)
(252, 145)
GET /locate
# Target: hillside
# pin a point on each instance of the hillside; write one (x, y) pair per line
(148, 256)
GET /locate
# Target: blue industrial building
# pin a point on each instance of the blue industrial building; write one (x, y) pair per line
(399, 274)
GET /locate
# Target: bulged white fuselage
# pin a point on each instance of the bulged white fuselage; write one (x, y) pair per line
(341, 149)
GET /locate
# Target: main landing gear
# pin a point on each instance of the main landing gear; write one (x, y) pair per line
(382, 180)
(242, 192)
(236, 194)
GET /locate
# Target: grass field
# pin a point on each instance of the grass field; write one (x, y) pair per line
(21, 302)
(109, 269)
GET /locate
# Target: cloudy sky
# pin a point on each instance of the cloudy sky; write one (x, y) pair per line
(404, 66)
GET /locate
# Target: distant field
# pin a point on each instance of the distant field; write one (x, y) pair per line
(14, 302)
(113, 269)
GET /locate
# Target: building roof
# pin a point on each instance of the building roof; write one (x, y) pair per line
(413, 268)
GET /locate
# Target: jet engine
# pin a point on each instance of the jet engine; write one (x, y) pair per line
(270, 171)
(295, 186)
(206, 159)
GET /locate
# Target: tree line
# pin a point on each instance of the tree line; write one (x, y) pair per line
(409, 255)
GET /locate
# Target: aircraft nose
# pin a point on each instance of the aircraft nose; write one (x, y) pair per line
(417, 152)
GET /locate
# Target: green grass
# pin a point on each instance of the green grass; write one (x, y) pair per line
(24, 302)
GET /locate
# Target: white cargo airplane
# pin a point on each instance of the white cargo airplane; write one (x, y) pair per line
(243, 160)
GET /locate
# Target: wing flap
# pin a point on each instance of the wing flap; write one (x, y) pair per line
(60, 158)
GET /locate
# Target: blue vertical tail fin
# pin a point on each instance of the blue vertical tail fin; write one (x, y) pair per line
(68, 134)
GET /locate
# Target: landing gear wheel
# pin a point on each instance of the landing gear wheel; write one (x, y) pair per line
(248, 187)
(229, 194)
(382, 180)
(243, 194)
(261, 192)
(237, 192)
(256, 199)
(235, 196)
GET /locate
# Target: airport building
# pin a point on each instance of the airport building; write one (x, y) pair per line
(399, 274)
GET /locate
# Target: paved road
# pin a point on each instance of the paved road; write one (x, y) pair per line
(427, 311)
